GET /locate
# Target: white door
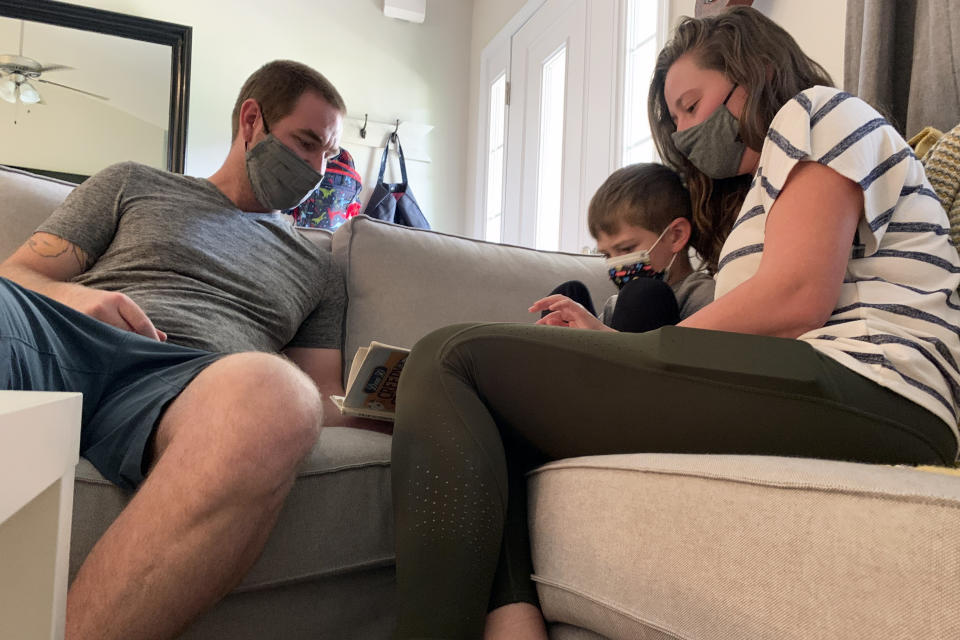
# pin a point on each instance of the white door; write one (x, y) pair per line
(560, 133)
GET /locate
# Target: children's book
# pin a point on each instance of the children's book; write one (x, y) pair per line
(372, 383)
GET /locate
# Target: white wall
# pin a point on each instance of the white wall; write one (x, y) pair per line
(384, 67)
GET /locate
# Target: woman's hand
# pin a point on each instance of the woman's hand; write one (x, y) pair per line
(566, 313)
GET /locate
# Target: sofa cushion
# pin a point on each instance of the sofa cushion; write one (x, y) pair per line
(336, 520)
(686, 546)
(402, 282)
(26, 200)
(569, 632)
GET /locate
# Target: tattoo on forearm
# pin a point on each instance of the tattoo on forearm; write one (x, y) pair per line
(81, 257)
(53, 247)
(48, 247)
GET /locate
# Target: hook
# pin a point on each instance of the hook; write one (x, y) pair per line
(363, 129)
(396, 128)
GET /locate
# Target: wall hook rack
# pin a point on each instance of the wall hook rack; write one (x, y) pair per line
(364, 131)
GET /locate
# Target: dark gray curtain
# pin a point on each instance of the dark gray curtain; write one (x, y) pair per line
(903, 57)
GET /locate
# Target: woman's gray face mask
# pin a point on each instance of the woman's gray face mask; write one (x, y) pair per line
(713, 146)
(280, 178)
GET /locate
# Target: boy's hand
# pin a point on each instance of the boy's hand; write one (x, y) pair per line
(566, 313)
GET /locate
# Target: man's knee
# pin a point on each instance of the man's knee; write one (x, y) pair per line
(265, 411)
(279, 393)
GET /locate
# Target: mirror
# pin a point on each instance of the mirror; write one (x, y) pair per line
(121, 93)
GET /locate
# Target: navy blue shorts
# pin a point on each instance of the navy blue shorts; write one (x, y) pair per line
(127, 380)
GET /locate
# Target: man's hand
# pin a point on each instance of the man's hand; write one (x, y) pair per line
(46, 263)
(112, 307)
(566, 313)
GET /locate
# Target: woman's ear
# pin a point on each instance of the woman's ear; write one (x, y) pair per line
(679, 235)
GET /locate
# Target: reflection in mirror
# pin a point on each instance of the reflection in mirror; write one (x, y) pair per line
(77, 133)
(82, 88)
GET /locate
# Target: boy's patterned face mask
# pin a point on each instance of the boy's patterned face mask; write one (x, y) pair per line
(623, 269)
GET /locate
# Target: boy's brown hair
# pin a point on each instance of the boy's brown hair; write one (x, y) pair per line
(277, 85)
(646, 195)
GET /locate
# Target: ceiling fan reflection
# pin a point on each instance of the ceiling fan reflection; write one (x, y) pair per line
(17, 73)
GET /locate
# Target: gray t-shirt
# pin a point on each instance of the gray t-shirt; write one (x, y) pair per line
(209, 275)
(693, 293)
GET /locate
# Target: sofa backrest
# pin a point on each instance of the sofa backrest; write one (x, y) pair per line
(402, 282)
(26, 200)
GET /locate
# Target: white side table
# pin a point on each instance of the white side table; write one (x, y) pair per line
(39, 448)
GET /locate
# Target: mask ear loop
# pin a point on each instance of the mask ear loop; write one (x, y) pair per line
(662, 233)
(732, 89)
(666, 270)
(266, 129)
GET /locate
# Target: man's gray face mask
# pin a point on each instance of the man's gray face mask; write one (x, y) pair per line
(280, 178)
(713, 146)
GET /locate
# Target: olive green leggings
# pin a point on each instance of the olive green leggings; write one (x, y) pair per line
(481, 404)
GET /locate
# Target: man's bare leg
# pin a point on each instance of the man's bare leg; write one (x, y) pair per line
(226, 453)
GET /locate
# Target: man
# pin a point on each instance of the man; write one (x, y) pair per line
(199, 279)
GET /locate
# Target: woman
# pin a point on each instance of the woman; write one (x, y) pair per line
(834, 333)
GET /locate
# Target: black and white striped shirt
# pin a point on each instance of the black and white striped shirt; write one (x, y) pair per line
(897, 320)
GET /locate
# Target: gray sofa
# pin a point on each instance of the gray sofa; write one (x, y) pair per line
(646, 546)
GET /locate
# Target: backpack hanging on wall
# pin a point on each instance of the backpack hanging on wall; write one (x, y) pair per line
(335, 200)
(395, 202)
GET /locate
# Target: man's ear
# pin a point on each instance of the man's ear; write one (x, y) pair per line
(250, 115)
(679, 234)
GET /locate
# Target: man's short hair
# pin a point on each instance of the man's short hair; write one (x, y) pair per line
(646, 195)
(277, 86)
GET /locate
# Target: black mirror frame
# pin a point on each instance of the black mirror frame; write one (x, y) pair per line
(176, 36)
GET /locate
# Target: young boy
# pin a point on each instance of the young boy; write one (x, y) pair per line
(641, 219)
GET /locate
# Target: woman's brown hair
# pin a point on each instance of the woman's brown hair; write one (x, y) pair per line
(760, 56)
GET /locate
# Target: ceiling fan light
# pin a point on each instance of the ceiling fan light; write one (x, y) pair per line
(8, 90)
(28, 94)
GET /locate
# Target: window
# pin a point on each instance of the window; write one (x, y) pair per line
(642, 43)
(550, 161)
(493, 228)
